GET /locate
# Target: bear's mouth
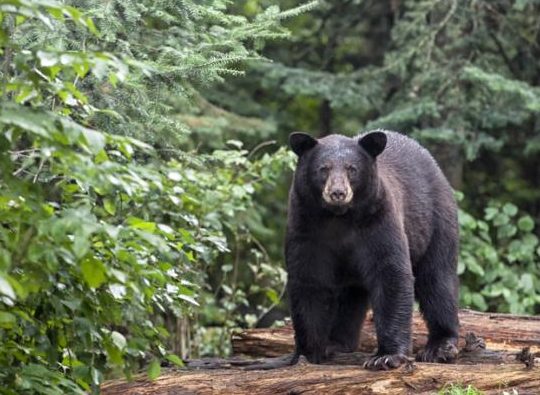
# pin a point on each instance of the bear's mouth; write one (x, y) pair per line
(337, 209)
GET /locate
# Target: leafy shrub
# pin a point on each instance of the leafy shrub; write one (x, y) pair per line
(87, 279)
(102, 239)
(499, 261)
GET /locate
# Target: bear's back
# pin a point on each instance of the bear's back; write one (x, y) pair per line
(411, 164)
(404, 156)
(419, 188)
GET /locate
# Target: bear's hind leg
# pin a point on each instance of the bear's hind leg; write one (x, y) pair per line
(436, 287)
(345, 333)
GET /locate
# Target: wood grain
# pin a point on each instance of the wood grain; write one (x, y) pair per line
(500, 332)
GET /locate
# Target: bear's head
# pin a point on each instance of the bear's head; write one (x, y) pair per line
(336, 171)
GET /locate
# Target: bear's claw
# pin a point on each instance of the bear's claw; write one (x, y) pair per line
(386, 362)
(444, 352)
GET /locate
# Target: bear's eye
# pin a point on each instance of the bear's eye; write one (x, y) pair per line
(324, 170)
(352, 170)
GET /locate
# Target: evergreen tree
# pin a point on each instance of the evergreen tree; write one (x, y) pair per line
(462, 77)
(457, 75)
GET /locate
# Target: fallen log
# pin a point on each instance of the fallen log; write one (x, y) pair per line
(510, 361)
(319, 379)
(502, 332)
(473, 352)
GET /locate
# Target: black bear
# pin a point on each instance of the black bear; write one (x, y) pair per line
(372, 221)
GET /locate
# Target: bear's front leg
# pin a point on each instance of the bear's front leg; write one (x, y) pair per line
(392, 298)
(312, 311)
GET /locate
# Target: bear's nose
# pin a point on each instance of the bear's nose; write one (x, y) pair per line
(338, 195)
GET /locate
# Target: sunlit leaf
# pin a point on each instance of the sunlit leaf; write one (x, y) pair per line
(138, 223)
(95, 141)
(7, 320)
(93, 272)
(175, 359)
(118, 340)
(109, 206)
(6, 288)
(189, 299)
(154, 370)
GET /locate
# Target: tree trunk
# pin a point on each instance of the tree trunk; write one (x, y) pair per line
(325, 117)
(450, 158)
(317, 379)
(500, 332)
(507, 364)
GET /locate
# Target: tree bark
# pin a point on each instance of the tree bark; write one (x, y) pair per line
(511, 361)
(503, 332)
(450, 158)
(325, 118)
(317, 379)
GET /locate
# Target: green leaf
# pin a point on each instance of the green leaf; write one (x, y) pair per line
(175, 359)
(90, 25)
(166, 229)
(114, 354)
(527, 282)
(506, 231)
(490, 213)
(154, 370)
(7, 320)
(227, 267)
(501, 219)
(479, 301)
(461, 267)
(474, 267)
(126, 149)
(109, 206)
(101, 157)
(93, 272)
(510, 209)
(35, 122)
(174, 176)
(95, 141)
(272, 295)
(118, 340)
(47, 59)
(189, 299)
(73, 303)
(97, 377)
(6, 288)
(138, 223)
(81, 244)
(526, 224)
(235, 143)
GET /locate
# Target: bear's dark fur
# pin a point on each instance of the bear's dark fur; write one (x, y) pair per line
(372, 222)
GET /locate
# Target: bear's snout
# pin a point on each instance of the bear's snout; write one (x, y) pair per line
(337, 190)
(338, 195)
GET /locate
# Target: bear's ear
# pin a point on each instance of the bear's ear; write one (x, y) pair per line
(301, 142)
(374, 143)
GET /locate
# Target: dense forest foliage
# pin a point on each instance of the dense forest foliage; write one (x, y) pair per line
(144, 173)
